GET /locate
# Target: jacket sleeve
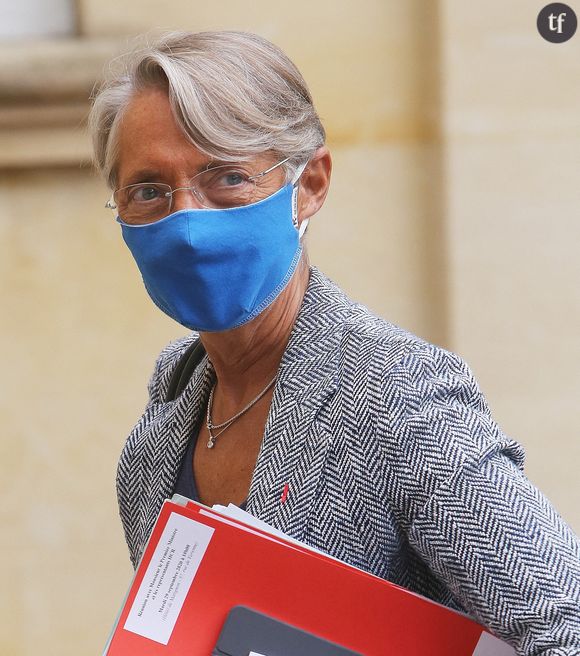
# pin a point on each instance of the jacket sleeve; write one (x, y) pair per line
(472, 515)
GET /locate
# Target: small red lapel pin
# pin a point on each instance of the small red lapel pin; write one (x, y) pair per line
(284, 493)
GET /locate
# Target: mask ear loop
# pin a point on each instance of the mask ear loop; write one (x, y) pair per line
(304, 224)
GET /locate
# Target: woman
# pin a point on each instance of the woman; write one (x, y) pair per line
(330, 424)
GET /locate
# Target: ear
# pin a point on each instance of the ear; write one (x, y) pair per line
(313, 184)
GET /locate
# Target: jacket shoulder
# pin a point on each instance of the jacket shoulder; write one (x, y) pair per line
(383, 345)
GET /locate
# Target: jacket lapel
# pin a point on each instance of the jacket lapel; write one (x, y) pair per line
(296, 442)
(166, 443)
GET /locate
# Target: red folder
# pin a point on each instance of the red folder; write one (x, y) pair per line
(216, 563)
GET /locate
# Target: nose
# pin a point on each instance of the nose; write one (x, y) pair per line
(184, 199)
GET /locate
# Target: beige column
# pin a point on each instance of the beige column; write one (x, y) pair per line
(512, 135)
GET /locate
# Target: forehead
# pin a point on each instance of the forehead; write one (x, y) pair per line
(152, 146)
(150, 139)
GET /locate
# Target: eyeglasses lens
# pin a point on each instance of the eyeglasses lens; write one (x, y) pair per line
(221, 187)
(143, 203)
(224, 187)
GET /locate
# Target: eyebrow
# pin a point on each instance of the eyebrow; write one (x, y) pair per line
(143, 175)
(156, 175)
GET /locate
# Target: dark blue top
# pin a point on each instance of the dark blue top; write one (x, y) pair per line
(185, 483)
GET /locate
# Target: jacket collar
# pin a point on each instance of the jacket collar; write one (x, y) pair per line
(312, 353)
(294, 447)
(160, 454)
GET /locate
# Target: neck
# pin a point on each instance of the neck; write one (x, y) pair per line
(246, 358)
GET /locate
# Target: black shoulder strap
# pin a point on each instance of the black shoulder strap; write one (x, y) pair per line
(184, 370)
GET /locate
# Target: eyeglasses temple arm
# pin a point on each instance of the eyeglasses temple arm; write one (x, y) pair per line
(259, 175)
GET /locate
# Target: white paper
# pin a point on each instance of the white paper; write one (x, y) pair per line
(489, 645)
(231, 522)
(168, 578)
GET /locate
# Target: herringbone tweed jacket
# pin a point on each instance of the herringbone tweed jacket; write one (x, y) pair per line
(393, 463)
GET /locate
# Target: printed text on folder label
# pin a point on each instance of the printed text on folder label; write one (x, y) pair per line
(168, 578)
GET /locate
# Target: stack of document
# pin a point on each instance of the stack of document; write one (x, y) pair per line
(216, 581)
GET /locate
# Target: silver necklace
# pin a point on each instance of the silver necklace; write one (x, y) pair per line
(226, 424)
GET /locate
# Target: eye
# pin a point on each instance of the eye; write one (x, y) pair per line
(225, 179)
(232, 178)
(145, 193)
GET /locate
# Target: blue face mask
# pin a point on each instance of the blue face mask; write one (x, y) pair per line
(213, 269)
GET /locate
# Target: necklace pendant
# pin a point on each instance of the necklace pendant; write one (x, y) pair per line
(226, 424)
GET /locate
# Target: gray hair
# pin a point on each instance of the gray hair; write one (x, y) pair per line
(233, 94)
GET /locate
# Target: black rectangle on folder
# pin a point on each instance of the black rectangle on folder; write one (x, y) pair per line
(246, 630)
